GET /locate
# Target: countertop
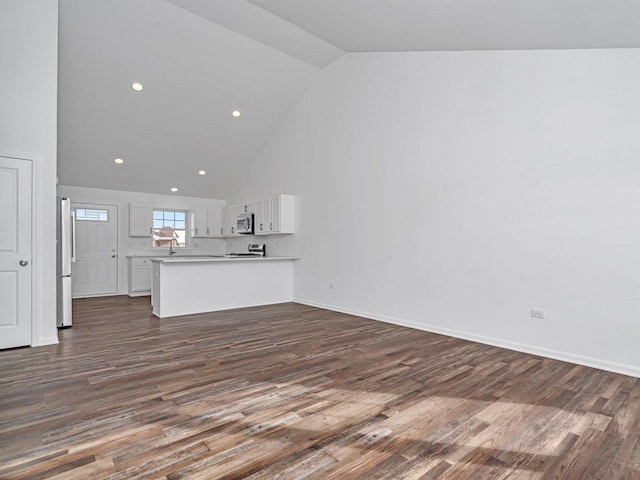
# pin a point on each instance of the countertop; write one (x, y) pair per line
(166, 255)
(204, 258)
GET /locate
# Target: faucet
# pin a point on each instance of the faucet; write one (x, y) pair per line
(171, 250)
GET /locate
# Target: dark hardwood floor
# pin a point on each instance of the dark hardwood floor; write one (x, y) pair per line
(293, 392)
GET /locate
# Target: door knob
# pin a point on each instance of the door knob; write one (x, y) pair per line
(113, 256)
(24, 263)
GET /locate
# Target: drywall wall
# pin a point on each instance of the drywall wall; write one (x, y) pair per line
(456, 191)
(28, 95)
(141, 245)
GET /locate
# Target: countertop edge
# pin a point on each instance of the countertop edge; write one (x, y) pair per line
(218, 259)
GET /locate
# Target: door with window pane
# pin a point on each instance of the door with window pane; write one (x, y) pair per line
(95, 271)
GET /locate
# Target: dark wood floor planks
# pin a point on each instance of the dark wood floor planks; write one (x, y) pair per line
(295, 392)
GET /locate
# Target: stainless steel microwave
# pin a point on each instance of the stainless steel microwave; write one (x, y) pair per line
(245, 223)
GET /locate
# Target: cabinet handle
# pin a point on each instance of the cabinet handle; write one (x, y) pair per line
(196, 230)
(151, 230)
(207, 230)
(271, 226)
(220, 231)
(233, 230)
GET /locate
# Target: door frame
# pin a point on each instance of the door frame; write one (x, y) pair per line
(36, 254)
(117, 224)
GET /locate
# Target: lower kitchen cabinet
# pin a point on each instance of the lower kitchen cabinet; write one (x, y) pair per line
(140, 276)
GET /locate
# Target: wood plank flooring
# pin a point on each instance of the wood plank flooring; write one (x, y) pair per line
(295, 392)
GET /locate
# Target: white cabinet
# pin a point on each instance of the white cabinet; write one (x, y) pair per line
(272, 215)
(139, 276)
(262, 217)
(206, 222)
(230, 218)
(275, 215)
(247, 207)
(140, 220)
(214, 222)
(199, 222)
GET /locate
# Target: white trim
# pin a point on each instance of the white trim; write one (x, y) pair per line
(46, 341)
(623, 369)
(36, 257)
(102, 295)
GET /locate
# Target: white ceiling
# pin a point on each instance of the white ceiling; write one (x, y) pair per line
(200, 59)
(427, 25)
(195, 73)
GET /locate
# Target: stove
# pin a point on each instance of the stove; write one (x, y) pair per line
(254, 250)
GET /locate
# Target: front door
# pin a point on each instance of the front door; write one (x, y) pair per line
(15, 252)
(95, 271)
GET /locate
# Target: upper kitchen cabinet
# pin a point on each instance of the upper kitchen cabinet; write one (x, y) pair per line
(262, 217)
(229, 220)
(275, 215)
(247, 207)
(140, 220)
(206, 222)
(214, 222)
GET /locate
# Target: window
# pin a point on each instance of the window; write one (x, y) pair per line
(92, 215)
(169, 228)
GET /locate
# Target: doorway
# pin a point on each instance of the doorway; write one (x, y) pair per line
(95, 270)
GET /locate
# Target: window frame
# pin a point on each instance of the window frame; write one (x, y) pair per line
(164, 210)
(88, 219)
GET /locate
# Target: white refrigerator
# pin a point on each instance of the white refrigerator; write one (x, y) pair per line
(65, 238)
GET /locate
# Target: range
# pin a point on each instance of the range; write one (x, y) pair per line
(254, 250)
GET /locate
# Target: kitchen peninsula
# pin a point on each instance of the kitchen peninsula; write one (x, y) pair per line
(186, 285)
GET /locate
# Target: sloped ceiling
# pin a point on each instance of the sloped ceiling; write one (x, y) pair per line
(201, 59)
(427, 25)
(195, 73)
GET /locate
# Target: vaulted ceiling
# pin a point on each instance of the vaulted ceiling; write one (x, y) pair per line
(200, 60)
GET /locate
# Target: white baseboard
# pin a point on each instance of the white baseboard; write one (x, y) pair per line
(601, 364)
(46, 341)
(139, 294)
(100, 295)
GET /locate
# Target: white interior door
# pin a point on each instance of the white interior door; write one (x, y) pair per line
(15, 252)
(95, 271)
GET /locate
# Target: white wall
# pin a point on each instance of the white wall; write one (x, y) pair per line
(456, 191)
(141, 245)
(28, 99)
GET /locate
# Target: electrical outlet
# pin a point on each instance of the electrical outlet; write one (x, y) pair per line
(537, 314)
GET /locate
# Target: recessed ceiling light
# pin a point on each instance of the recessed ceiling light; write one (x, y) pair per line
(235, 113)
(174, 189)
(137, 86)
(201, 172)
(119, 161)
